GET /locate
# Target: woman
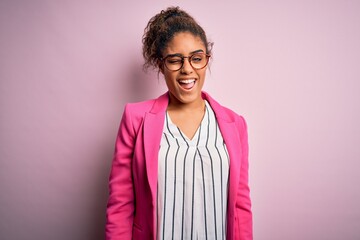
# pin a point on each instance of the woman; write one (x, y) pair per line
(180, 168)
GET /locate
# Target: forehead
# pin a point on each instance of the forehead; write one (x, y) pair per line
(184, 43)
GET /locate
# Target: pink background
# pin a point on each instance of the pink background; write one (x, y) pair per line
(292, 68)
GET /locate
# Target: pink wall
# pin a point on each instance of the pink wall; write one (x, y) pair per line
(290, 67)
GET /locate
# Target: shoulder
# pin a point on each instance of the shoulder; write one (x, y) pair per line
(223, 112)
(139, 109)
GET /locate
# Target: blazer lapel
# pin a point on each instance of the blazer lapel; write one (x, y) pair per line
(232, 141)
(230, 135)
(153, 128)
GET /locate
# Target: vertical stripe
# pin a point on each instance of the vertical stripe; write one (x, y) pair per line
(221, 180)
(192, 199)
(167, 125)
(183, 199)
(227, 154)
(173, 218)
(212, 171)
(193, 187)
(166, 159)
(203, 181)
(227, 182)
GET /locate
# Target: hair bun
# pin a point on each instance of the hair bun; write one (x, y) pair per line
(171, 12)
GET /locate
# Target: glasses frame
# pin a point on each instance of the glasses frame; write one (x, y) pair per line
(183, 60)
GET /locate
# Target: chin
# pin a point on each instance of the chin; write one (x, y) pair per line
(190, 99)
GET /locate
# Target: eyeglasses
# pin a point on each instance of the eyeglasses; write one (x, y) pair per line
(175, 62)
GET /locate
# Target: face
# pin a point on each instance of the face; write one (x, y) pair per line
(185, 84)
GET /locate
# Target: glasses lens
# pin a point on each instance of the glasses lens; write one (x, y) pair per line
(173, 63)
(199, 60)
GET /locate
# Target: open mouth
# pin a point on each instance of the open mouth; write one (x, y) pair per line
(187, 83)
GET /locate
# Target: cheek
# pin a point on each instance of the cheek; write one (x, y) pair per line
(202, 74)
(169, 76)
(170, 80)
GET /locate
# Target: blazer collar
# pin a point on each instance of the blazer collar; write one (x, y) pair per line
(219, 110)
(162, 102)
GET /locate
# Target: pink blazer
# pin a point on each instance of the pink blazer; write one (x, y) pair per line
(131, 210)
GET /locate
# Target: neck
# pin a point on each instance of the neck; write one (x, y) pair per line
(175, 104)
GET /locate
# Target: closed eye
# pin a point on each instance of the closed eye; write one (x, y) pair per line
(174, 61)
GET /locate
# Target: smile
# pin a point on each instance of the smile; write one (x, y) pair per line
(187, 84)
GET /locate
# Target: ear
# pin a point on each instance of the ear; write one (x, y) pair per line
(160, 66)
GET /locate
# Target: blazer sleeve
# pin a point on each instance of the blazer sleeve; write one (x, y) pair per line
(243, 202)
(120, 208)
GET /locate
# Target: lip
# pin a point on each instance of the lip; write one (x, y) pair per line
(185, 83)
(186, 79)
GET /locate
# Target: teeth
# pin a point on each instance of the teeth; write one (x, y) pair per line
(187, 81)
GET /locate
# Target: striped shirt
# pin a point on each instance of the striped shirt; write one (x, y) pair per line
(192, 182)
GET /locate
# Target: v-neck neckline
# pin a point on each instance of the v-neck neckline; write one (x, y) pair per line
(176, 132)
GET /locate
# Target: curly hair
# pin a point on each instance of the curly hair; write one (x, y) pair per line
(161, 29)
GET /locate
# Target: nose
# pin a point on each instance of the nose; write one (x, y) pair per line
(186, 68)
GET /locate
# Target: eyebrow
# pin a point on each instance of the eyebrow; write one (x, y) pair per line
(180, 55)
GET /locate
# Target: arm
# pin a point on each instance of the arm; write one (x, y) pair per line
(243, 202)
(120, 208)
